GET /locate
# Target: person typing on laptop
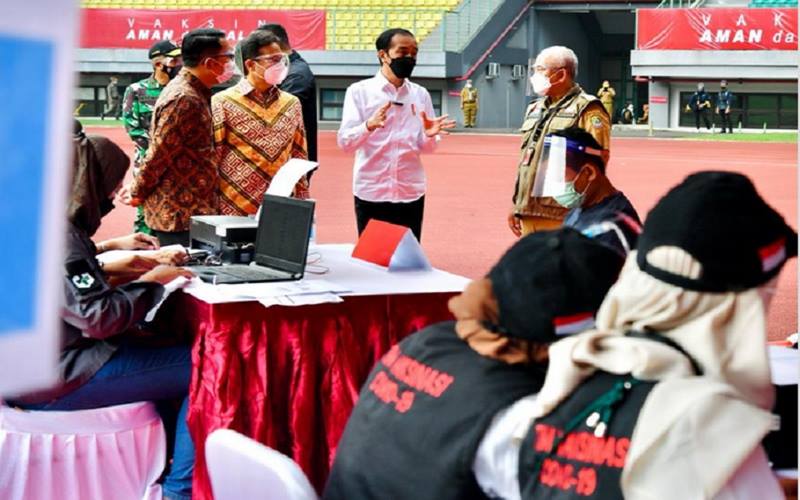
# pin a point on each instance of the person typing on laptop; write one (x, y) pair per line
(106, 358)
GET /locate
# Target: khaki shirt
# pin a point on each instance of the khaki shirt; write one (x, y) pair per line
(606, 95)
(469, 95)
(544, 117)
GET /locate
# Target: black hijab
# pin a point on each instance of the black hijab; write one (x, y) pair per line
(99, 166)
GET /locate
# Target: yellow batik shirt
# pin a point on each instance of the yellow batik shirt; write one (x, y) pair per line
(255, 134)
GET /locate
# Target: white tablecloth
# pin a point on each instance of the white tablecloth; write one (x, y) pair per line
(341, 276)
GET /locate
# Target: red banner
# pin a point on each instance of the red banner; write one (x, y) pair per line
(717, 29)
(139, 29)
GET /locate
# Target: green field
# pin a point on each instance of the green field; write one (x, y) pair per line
(97, 122)
(768, 137)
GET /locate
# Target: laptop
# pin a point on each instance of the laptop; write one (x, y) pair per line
(281, 246)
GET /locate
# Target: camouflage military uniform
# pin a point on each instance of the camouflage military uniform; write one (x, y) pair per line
(137, 111)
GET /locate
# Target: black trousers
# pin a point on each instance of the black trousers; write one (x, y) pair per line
(726, 121)
(704, 113)
(179, 238)
(402, 214)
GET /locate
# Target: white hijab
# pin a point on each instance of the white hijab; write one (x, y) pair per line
(693, 432)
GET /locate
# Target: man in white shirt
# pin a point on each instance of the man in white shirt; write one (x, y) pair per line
(387, 120)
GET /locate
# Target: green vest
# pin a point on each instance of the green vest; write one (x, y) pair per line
(541, 120)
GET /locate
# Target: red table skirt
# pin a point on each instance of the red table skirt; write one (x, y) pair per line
(289, 376)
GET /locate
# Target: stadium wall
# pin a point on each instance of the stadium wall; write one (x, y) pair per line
(762, 75)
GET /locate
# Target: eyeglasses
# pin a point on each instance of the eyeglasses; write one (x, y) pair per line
(539, 68)
(273, 59)
(228, 56)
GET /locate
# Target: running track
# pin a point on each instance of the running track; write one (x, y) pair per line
(470, 182)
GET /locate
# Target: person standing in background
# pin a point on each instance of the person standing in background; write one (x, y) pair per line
(387, 121)
(469, 104)
(700, 103)
(606, 93)
(112, 99)
(299, 82)
(137, 108)
(725, 101)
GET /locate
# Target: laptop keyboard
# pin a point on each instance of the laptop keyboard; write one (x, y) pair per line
(242, 273)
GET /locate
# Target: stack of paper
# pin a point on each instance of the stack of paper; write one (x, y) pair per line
(289, 293)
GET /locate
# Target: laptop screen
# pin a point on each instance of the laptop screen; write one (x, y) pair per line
(283, 230)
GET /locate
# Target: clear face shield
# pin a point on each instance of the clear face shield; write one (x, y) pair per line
(558, 165)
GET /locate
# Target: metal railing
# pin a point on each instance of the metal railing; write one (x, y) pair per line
(681, 4)
(462, 24)
(356, 29)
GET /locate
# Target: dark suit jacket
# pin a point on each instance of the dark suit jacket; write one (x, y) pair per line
(300, 82)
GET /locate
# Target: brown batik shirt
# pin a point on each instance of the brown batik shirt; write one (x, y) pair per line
(178, 176)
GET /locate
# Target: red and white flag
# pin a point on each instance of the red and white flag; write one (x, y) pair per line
(576, 323)
(773, 255)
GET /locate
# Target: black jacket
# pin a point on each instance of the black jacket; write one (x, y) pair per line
(93, 313)
(420, 419)
(300, 82)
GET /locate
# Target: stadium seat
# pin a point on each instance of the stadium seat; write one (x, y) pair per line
(773, 3)
(240, 467)
(113, 452)
(367, 18)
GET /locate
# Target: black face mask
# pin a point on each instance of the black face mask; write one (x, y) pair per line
(172, 71)
(106, 206)
(402, 67)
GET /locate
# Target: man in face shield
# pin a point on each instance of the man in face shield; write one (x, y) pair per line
(572, 172)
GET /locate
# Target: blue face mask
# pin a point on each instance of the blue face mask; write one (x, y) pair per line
(570, 198)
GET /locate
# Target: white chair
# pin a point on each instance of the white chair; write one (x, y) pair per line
(240, 467)
(117, 453)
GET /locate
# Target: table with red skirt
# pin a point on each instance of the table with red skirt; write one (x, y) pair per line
(289, 377)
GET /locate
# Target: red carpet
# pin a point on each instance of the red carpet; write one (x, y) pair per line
(470, 183)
